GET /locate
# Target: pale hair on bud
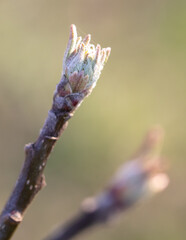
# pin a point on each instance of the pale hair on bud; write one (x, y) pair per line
(84, 61)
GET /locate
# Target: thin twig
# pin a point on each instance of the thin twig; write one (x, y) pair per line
(77, 226)
(140, 177)
(31, 178)
(82, 66)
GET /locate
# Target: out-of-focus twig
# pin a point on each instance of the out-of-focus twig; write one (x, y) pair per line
(140, 177)
(82, 65)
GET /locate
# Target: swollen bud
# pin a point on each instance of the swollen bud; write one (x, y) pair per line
(82, 66)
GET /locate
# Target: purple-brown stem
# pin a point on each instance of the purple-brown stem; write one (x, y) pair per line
(31, 178)
(138, 178)
(82, 66)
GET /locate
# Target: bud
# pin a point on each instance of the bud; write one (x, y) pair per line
(143, 176)
(82, 66)
(135, 180)
(83, 62)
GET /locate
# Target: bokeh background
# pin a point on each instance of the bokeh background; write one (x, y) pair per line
(143, 83)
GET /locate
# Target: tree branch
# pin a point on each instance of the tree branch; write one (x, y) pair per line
(140, 177)
(82, 66)
(31, 178)
(82, 222)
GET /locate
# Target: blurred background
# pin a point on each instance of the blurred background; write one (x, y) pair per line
(142, 84)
